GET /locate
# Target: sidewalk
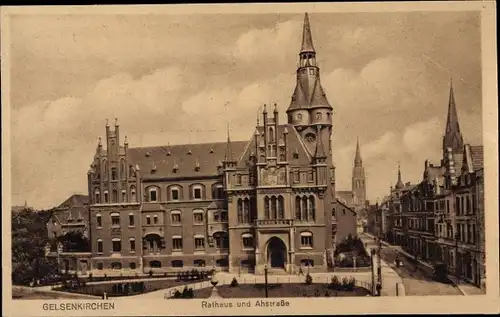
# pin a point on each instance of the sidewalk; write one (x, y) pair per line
(464, 287)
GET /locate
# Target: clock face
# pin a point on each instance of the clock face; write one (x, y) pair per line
(310, 137)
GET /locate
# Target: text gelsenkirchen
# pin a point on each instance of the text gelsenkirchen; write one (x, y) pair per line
(247, 303)
(79, 306)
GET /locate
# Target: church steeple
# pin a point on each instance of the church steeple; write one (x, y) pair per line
(229, 156)
(357, 158)
(399, 183)
(452, 137)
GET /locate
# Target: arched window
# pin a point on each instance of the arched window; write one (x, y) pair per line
(114, 174)
(282, 157)
(114, 196)
(266, 207)
(199, 263)
(106, 197)
(240, 210)
(217, 191)
(306, 240)
(97, 196)
(298, 214)
(122, 169)
(303, 212)
(177, 263)
(133, 196)
(197, 192)
(131, 172)
(198, 216)
(281, 207)
(246, 210)
(153, 194)
(155, 264)
(274, 209)
(199, 242)
(312, 208)
(247, 240)
(105, 167)
(174, 193)
(124, 196)
(177, 243)
(271, 134)
(115, 219)
(116, 266)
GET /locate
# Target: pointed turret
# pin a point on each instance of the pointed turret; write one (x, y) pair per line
(452, 137)
(308, 91)
(319, 153)
(229, 156)
(307, 42)
(357, 158)
(399, 184)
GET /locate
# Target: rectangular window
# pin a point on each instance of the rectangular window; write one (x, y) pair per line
(124, 196)
(223, 216)
(175, 194)
(131, 222)
(238, 179)
(132, 245)
(155, 219)
(198, 217)
(310, 176)
(306, 241)
(219, 192)
(148, 220)
(115, 220)
(296, 178)
(177, 244)
(199, 243)
(447, 206)
(248, 242)
(99, 221)
(99, 247)
(153, 195)
(197, 193)
(176, 218)
(117, 246)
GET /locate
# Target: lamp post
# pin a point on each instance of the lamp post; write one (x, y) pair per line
(457, 271)
(373, 270)
(265, 278)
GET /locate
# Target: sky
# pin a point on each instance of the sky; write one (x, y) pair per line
(181, 78)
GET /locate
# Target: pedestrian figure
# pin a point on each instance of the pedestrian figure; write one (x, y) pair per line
(397, 261)
(379, 289)
(300, 271)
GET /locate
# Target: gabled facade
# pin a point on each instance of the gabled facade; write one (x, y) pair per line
(233, 205)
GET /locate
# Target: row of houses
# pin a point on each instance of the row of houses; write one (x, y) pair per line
(440, 220)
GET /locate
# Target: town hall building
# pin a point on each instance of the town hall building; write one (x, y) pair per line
(234, 205)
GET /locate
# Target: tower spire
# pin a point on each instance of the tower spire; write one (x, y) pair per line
(452, 137)
(357, 158)
(307, 43)
(399, 184)
(229, 153)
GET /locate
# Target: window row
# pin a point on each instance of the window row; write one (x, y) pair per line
(219, 216)
(157, 264)
(306, 176)
(114, 170)
(465, 205)
(246, 210)
(305, 208)
(153, 194)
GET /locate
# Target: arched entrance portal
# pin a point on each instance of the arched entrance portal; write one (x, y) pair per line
(276, 253)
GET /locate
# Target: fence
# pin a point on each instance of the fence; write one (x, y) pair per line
(169, 292)
(55, 294)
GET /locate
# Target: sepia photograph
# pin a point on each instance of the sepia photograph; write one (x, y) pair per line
(251, 161)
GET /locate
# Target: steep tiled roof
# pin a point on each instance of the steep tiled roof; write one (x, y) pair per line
(458, 160)
(477, 154)
(338, 201)
(159, 161)
(294, 144)
(75, 214)
(75, 200)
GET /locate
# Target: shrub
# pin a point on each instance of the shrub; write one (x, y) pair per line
(350, 284)
(317, 293)
(345, 282)
(177, 294)
(309, 279)
(335, 283)
(327, 294)
(234, 282)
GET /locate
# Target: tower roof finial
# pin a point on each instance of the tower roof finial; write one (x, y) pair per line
(399, 184)
(452, 138)
(307, 43)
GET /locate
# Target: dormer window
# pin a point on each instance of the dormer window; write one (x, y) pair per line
(197, 167)
(299, 117)
(147, 154)
(211, 151)
(189, 152)
(176, 168)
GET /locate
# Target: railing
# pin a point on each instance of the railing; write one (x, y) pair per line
(274, 222)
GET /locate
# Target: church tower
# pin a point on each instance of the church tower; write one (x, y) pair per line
(309, 111)
(358, 179)
(453, 142)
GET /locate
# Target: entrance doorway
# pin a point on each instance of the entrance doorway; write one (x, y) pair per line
(276, 253)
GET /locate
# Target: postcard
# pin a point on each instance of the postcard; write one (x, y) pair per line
(252, 159)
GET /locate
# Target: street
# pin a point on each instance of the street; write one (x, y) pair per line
(416, 282)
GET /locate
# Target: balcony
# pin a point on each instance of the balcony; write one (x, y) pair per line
(274, 222)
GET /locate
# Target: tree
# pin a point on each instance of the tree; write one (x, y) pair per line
(29, 238)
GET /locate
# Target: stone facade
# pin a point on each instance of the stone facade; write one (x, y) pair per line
(234, 205)
(441, 220)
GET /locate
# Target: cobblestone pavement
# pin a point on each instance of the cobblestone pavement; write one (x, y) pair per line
(416, 282)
